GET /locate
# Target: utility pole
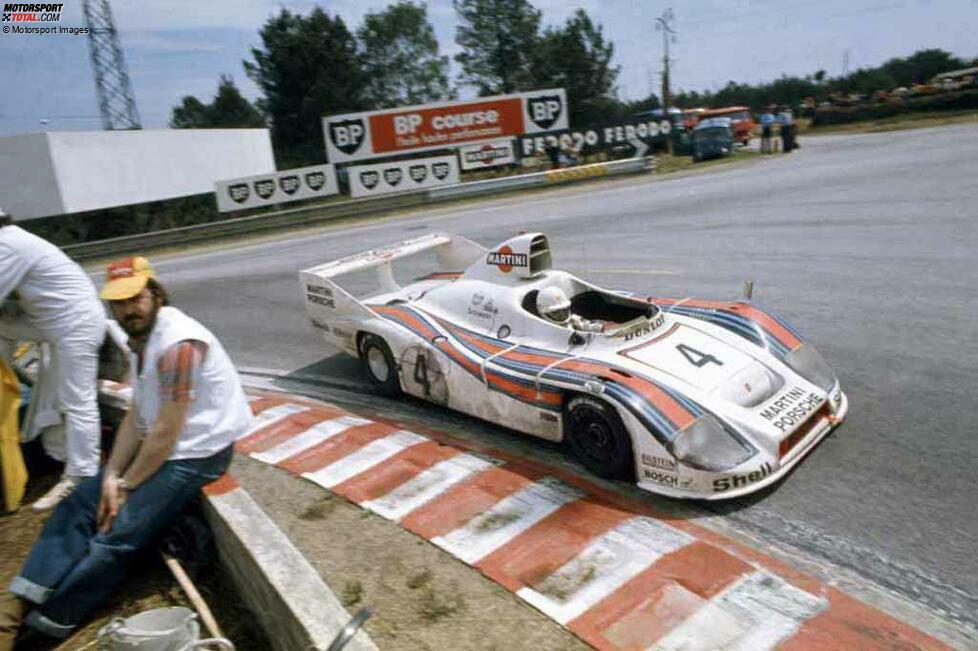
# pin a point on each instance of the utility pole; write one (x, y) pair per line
(115, 99)
(663, 24)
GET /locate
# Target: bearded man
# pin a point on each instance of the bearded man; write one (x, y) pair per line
(187, 410)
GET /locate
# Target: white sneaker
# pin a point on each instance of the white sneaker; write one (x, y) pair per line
(57, 493)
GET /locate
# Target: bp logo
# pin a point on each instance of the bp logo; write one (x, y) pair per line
(347, 135)
(418, 173)
(544, 110)
(265, 188)
(289, 184)
(393, 175)
(315, 181)
(369, 179)
(239, 192)
(440, 170)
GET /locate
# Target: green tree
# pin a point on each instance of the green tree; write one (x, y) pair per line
(497, 38)
(400, 57)
(228, 110)
(306, 67)
(577, 57)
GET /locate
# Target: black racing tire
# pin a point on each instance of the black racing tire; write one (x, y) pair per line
(379, 365)
(596, 436)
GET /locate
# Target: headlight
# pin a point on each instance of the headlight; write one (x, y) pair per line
(808, 363)
(706, 444)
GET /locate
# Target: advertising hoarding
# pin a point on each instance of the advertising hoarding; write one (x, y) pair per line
(637, 135)
(486, 154)
(402, 176)
(276, 187)
(371, 134)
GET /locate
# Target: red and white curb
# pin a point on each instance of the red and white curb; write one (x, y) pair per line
(607, 568)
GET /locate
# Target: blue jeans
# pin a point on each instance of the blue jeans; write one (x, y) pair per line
(73, 568)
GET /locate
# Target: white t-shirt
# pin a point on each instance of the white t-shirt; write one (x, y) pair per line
(54, 293)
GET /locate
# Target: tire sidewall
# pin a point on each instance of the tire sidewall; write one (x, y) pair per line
(392, 385)
(621, 461)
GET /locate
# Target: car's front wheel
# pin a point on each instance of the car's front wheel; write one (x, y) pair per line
(379, 364)
(597, 437)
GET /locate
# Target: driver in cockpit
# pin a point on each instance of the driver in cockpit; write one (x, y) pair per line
(553, 305)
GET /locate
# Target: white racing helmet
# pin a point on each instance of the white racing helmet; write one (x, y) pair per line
(553, 305)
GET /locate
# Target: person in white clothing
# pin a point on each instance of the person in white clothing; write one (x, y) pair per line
(188, 408)
(47, 297)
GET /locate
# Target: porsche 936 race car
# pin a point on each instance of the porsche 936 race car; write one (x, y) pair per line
(693, 399)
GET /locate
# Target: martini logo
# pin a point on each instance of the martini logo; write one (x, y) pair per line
(239, 192)
(505, 259)
(544, 110)
(315, 180)
(265, 188)
(369, 179)
(440, 170)
(418, 173)
(393, 175)
(289, 184)
(347, 135)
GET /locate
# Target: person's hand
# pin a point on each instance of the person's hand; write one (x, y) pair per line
(113, 497)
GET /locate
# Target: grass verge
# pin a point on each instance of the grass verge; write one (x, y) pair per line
(895, 123)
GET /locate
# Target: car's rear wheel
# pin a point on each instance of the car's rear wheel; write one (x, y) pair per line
(597, 437)
(379, 364)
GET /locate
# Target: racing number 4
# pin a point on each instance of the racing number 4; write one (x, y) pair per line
(696, 358)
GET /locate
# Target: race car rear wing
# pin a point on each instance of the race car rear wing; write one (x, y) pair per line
(326, 300)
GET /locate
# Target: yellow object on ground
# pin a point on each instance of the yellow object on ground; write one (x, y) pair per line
(12, 468)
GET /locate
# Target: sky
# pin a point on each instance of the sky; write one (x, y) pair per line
(181, 47)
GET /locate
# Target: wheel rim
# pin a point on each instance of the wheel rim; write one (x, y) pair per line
(377, 362)
(595, 436)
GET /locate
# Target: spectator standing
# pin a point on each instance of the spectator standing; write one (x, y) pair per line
(767, 124)
(787, 121)
(188, 409)
(47, 297)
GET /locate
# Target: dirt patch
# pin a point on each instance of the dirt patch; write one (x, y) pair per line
(422, 597)
(152, 587)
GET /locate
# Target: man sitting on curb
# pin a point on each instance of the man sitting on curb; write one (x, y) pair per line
(188, 409)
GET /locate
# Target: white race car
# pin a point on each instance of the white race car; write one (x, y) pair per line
(694, 399)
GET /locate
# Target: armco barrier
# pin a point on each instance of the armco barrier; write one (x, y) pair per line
(308, 215)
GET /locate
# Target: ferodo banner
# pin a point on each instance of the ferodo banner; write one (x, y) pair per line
(487, 154)
(356, 136)
(402, 176)
(276, 187)
(638, 136)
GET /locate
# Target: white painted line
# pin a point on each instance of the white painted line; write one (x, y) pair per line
(427, 485)
(757, 612)
(510, 517)
(313, 436)
(602, 567)
(272, 415)
(365, 458)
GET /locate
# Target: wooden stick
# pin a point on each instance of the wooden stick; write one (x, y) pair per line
(198, 601)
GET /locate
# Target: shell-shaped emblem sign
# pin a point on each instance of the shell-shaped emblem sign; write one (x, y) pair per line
(239, 192)
(315, 181)
(440, 170)
(265, 188)
(369, 179)
(289, 184)
(393, 175)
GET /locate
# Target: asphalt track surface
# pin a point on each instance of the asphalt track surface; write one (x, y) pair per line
(867, 243)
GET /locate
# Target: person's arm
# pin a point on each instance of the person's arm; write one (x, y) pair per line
(13, 268)
(177, 372)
